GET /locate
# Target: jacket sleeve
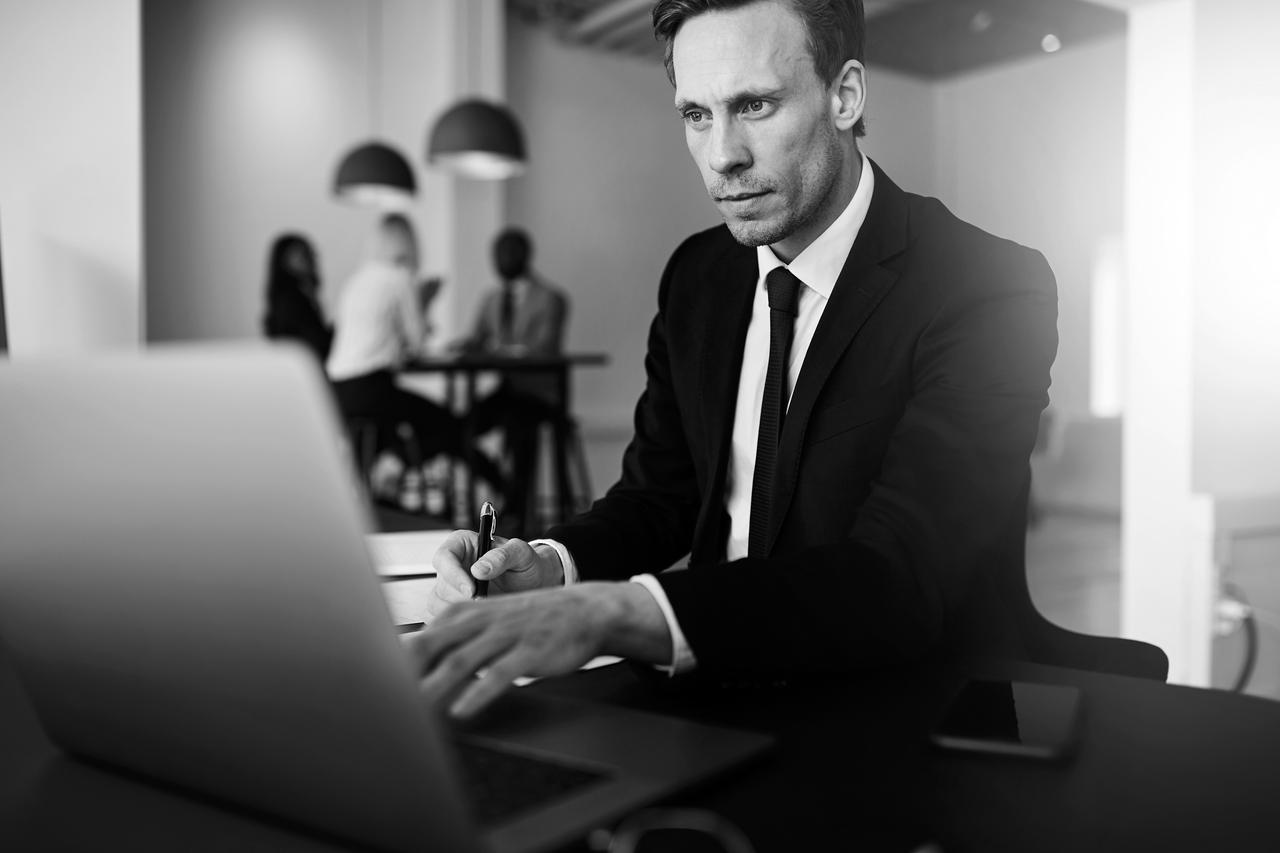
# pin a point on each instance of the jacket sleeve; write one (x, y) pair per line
(645, 522)
(945, 512)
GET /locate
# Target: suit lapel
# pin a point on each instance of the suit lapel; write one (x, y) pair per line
(863, 282)
(730, 293)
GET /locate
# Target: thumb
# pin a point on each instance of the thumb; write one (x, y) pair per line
(493, 563)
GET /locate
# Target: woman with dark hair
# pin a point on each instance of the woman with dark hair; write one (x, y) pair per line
(293, 288)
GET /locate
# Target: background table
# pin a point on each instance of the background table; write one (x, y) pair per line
(461, 373)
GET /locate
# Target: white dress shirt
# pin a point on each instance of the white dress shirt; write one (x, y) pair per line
(378, 322)
(817, 266)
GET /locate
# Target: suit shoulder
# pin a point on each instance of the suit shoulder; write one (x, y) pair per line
(982, 258)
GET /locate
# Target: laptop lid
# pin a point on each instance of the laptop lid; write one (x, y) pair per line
(187, 592)
(4, 329)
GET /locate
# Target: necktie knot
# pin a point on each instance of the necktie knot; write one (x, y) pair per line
(784, 291)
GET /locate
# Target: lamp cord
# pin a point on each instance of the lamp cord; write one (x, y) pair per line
(371, 62)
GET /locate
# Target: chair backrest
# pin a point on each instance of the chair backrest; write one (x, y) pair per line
(1058, 646)
(1048, 643)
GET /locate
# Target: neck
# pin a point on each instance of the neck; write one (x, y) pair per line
(838, 198)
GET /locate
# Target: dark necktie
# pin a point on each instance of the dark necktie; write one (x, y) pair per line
(784, 301)
(507, 312)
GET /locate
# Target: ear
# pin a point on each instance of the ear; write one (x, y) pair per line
(849, 94)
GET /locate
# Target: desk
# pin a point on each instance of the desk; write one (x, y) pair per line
(1158, 767)
(459, 395)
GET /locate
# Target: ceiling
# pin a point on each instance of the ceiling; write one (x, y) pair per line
(930, 39)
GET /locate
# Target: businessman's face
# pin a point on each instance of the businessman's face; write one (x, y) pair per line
(760, 124)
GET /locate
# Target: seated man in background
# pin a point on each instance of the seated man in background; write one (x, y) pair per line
(524, 317)
(380, 323)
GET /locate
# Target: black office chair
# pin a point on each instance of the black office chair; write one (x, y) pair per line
(1052, 644)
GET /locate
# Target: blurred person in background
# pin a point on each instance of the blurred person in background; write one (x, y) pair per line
(293, 296)
(524, 317)
(381, 322)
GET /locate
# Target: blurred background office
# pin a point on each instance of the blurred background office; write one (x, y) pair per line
(152, 148)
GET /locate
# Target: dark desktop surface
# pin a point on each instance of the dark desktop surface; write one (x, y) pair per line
(1157, 767)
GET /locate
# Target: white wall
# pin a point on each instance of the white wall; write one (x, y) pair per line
(902, 127)
(610, 192)
(1034, 151)
(70, 164)
(249, 106)
(1235, 191)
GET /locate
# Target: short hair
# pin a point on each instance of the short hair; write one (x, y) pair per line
(397, 241)
(836, 31)
(396, 222)
(512, 251)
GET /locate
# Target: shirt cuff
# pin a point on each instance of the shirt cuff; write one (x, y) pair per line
(682, 659)
(566, 561)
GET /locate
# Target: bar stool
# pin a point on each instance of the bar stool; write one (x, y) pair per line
(362, 440)
(570, 482)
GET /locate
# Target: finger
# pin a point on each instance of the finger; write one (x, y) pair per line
(513, 557)
(441, 598)
(444, 594)
(451, 561)
(496, 680)
(451, 627)
(457, 669)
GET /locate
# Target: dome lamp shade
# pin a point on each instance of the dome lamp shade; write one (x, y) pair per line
(375, 175)
(477, 139)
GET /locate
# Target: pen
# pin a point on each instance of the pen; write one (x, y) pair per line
(488, 518)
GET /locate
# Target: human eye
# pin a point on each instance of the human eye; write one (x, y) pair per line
(756, 107)
(694, 117)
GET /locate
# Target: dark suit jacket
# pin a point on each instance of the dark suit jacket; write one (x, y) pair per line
(900, 502)
(538, 326)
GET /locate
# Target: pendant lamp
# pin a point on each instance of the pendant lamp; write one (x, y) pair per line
(375, 174)
(477, 139)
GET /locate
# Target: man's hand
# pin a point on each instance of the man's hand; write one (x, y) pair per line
(512, 566)
(472, 651)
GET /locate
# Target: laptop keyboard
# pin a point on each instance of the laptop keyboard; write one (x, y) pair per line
(501, 784)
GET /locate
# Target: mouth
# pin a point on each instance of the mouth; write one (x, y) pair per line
(741, 197)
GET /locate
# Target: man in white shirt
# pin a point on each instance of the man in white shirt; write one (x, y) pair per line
(843, 388)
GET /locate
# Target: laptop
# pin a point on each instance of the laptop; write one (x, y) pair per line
(186, 593)
(4, 333)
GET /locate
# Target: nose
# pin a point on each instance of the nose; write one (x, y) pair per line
(728, 151)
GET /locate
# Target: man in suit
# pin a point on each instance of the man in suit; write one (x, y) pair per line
(524, 317)
(843, 389)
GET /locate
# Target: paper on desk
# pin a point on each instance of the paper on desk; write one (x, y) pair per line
(405, 553)
(603, 660)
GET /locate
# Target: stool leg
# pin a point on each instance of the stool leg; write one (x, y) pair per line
(583, 494)
(564, 491)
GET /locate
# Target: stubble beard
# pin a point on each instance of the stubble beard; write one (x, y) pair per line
(822, 182)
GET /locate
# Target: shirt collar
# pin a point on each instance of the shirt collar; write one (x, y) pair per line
(819, 265)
